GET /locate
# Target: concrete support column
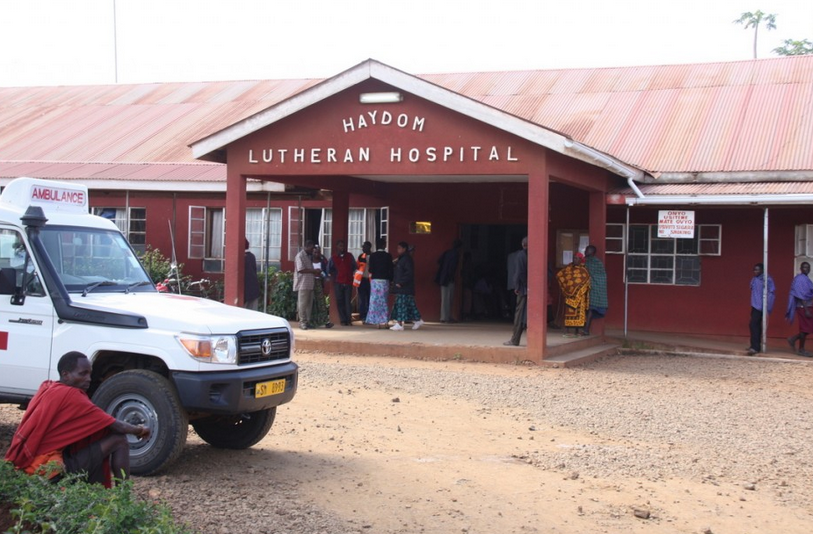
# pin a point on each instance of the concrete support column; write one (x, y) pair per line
(538, 197)
(341, 216)
(234, 270)
(597, 227)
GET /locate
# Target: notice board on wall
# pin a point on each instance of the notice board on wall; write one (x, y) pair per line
(677, 224)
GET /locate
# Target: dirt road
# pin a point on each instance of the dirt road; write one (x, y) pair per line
(629, 444)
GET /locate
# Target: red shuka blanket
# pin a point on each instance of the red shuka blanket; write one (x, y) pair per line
(58, 416)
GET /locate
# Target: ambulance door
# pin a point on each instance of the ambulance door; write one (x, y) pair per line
(26, 323)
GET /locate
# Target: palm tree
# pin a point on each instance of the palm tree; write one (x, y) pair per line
(754, 20)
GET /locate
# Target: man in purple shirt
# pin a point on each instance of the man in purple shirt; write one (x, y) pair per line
(800, 304)
(757, 287)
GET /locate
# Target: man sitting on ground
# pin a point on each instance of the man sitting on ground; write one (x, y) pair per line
(62, 425)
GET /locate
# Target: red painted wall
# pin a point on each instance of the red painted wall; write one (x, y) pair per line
(721, 304)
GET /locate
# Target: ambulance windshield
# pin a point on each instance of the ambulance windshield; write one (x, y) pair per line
(91, 259)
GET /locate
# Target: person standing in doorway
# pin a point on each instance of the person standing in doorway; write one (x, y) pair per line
(800, 304)
(597, 307)
(447, 272)
(380, 269)
(405, 308)
(520, 283)
(251, 283)
(304, 274)
(757, 287)
(363, 284)
(341, 268)
(511, 269)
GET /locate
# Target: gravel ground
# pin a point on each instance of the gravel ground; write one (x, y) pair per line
(652, 418)
(735, 419)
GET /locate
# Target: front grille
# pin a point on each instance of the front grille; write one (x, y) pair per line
(250, 344)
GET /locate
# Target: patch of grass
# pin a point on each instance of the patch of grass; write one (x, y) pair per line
(38, 506)
(636, 345)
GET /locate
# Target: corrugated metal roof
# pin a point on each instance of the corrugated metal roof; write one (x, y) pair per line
(148, 172)
(711, 189)
(749, 116)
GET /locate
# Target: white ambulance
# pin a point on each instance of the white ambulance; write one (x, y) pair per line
(70, 281)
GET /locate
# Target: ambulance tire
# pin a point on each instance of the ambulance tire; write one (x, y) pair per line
(235, 432)
(145, 398)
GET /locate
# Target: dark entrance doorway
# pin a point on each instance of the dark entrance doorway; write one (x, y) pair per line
(484, 270)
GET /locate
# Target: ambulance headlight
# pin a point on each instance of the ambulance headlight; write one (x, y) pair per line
(211, 349)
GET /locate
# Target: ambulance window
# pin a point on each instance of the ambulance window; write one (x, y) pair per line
(13, 255)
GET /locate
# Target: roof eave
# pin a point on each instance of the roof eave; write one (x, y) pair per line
(211, 148)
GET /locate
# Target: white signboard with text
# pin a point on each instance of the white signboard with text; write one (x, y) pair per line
(677, 224)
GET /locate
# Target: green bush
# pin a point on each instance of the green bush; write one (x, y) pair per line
(157, 265)
(281, 295)
(73, 506)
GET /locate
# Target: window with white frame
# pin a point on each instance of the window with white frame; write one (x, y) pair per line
(134, 226)
(668, 261)
(326, 232)
(264, 234)
(364, 224)
(207, 227)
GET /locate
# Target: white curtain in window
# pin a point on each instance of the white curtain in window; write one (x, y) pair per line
(217, 234)
(326, 231)
(355, 230)
(369, 228)
(275, 235)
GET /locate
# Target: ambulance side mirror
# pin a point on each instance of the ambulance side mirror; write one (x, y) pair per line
(8, 281)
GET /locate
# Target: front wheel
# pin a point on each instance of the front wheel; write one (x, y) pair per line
(145, 398)
(237, 431)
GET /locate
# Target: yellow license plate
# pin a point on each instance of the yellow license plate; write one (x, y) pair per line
(266, 389)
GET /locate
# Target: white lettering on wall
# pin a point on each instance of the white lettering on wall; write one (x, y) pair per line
(348, 125)
(431, 154)
(351, 124)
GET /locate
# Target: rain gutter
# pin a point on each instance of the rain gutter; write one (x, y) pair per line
(729, 200)
(604, 161)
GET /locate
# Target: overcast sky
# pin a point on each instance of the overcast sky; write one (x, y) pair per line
(68, 42)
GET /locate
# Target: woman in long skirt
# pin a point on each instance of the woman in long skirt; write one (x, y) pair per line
(380, 268)
(405, 308)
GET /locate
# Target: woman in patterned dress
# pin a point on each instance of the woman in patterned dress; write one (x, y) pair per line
(380, 268)
(403, 288)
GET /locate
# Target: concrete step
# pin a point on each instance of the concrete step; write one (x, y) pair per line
(581, 356)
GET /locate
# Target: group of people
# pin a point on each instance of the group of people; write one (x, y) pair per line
(800, 306)
(376, 275)
(583, 287)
